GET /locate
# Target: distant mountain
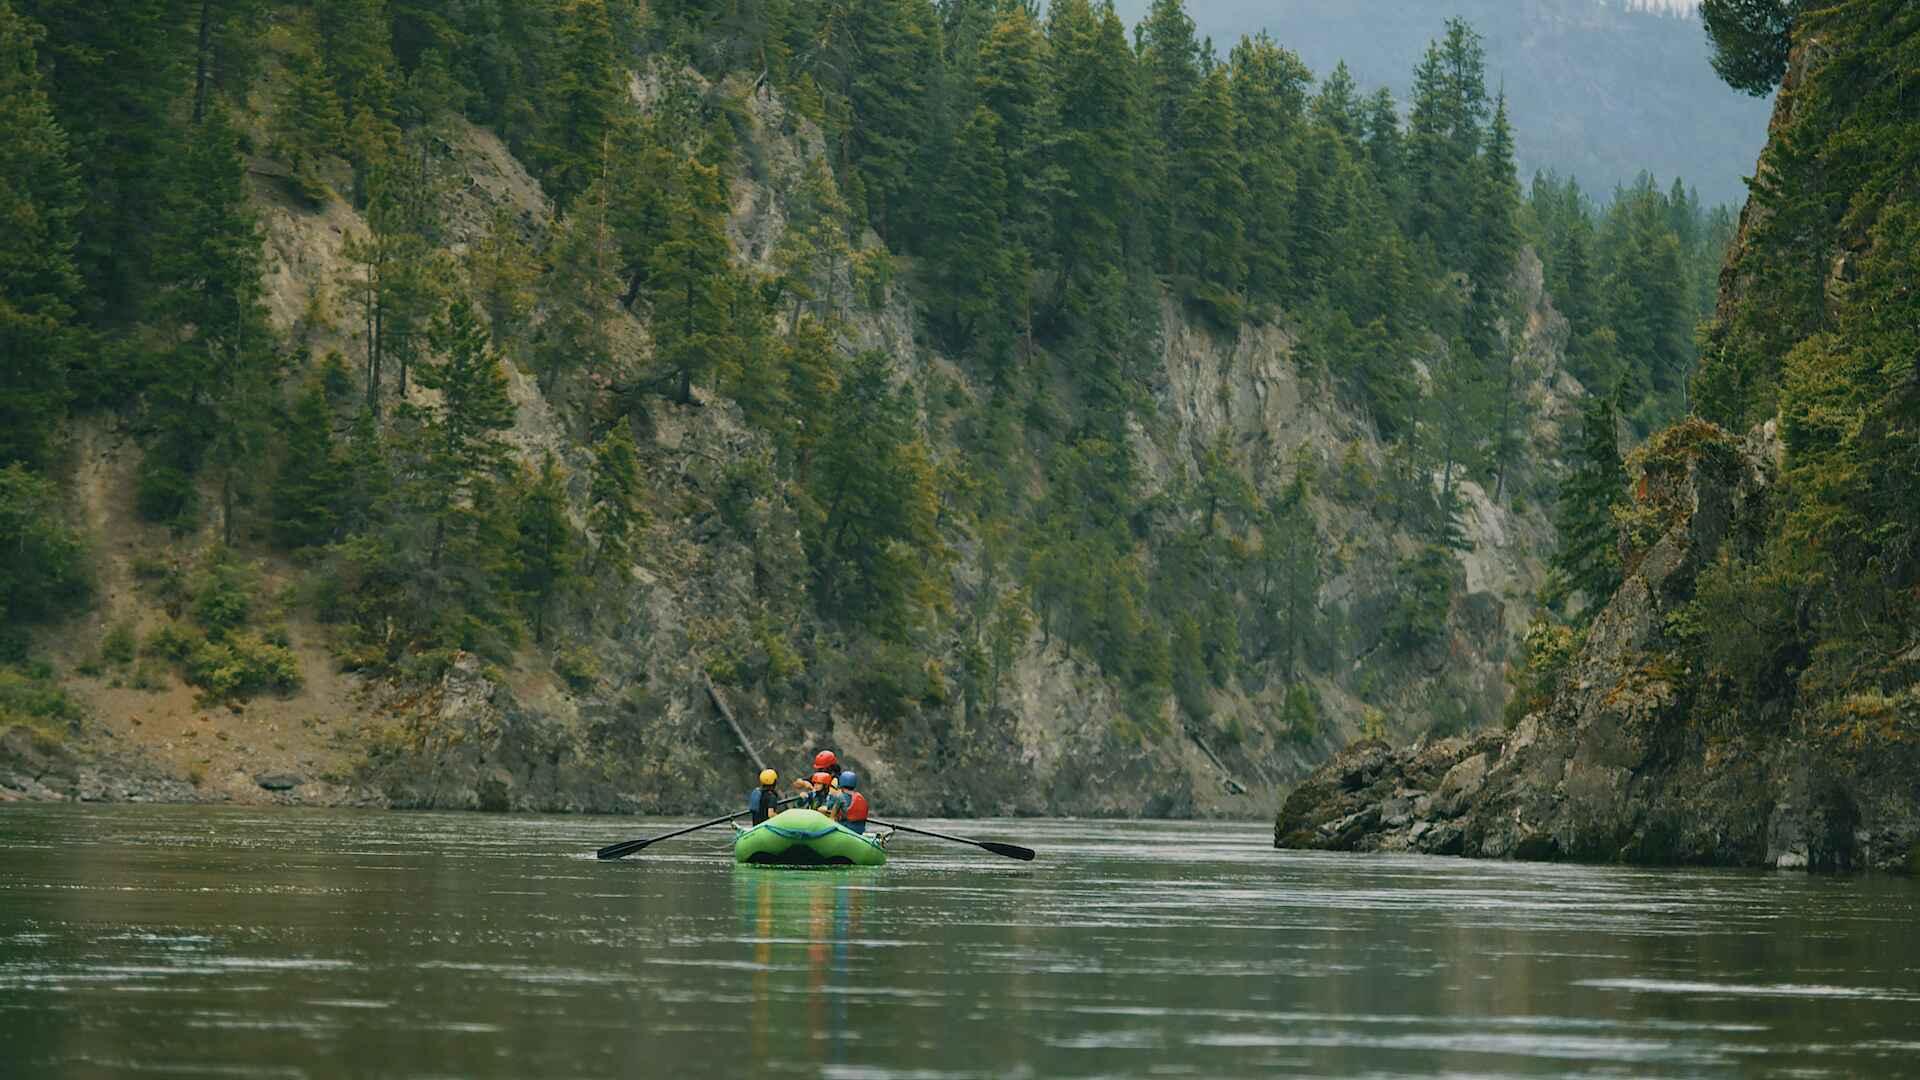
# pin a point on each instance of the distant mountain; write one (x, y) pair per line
(1600, 89)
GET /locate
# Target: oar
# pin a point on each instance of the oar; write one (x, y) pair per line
(1011, 851)
(621, 851)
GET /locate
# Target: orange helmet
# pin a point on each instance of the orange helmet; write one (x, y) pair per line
(821, 779)
(824, 761)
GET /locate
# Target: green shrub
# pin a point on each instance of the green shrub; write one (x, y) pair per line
(241, 665)
(1301, 711)
(171, 642)
(119, 644)
(33, 699)
(223, 595)
(577, 666)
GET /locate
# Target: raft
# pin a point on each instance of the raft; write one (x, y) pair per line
(806, 838)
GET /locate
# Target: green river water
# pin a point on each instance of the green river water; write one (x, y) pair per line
(178, 941)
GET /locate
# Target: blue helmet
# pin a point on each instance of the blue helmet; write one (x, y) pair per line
(849, 780)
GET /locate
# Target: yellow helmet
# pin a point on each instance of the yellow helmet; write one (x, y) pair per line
(768, 777)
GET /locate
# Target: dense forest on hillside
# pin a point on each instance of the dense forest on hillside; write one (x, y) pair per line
(1038, 183)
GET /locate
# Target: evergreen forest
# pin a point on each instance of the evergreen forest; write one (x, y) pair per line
(1039, 194)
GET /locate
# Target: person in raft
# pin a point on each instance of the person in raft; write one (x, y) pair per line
(852, 811)
(765, 799)
(813, 787)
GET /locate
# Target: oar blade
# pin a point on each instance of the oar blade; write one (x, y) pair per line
(621, 851)
(1011, 851)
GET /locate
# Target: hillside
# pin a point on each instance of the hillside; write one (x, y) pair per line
(472, 410)
(1751, 693)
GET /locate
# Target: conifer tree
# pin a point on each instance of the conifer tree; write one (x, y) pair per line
(307, 122)
(615, 513)
(503, 272)
(578, 104)
(39, 286)
(1207, 200)
(1751, 39)
(308, 491)
(461, 452)
(692, 286)
(547, 556)
(973, 274)
(579, 286)
(1587, 559)
(876, 552)
(1015, 85)
(114, 73)
(1338, 104)
(1170, 72)
(1100, 131)
(1443, 143)
(1269, 95)
(1289, 575)
(892, 48)
(209, 392)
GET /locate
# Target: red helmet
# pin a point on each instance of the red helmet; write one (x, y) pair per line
(822, 779)
(825, 761)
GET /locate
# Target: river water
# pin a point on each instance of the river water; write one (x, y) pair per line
(177, 941)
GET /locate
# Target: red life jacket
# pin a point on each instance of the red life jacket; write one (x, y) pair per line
(857, 809)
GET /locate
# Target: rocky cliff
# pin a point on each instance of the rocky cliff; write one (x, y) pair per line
(1616, 769)
(630, 718)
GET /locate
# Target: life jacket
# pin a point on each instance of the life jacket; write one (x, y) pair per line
(760, 803)
(856, 807)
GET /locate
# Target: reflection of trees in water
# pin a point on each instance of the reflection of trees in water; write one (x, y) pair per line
(801, 924)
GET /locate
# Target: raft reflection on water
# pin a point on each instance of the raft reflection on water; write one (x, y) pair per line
(800, 924)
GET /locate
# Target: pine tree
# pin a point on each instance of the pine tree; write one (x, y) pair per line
(461, 451)
(973, 275)
(1208, 196)
(1338, 105)
(877, 556)
(892, 49)
(1290, 572)
(114, 73)
(1015, 85)
(1269, 95)
(615, 513)
(578, 104)
(503, 271)
(1751, 39)
(547, 555)
(1170, 73)
(1100, 131)
(307, 493)
(1386, 150)
(1443, 142)
(210, 392)
(307, 123)
(1587, 561)
(692, 286)
(40, 200)
(579, 287)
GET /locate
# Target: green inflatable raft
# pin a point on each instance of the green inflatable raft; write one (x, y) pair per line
(806, 838)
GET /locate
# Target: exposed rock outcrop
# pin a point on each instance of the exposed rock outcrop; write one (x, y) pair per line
(1614, 769)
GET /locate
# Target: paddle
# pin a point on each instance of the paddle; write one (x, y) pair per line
(621, 851)
(1011, 851)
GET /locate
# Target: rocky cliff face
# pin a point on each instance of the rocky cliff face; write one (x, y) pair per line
(631, 725)
(1614, 770)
